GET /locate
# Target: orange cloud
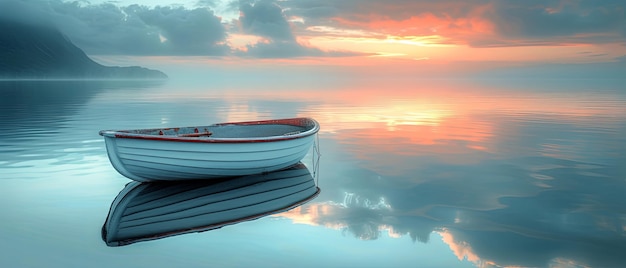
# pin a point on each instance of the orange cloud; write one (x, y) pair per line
(469, 31)
(442, 30)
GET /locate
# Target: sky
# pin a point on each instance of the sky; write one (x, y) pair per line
(347, 32)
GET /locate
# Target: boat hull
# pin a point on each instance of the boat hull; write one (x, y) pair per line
(152, 159)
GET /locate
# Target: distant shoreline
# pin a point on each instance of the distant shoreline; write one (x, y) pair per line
(83, 79)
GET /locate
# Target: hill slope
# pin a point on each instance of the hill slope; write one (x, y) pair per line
(29, 51)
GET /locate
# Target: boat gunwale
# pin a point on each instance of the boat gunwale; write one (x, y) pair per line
(301, 121)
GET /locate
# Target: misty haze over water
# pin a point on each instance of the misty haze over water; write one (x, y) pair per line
(433, 172)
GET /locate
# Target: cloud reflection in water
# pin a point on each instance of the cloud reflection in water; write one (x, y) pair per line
(505, 214)
(533, 186)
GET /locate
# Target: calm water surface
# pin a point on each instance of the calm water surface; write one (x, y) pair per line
(429, 173)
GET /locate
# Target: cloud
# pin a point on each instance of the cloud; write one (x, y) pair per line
(107, 29)
(480, 23)
(451, 19)
(187, 32)
(582, 21)
(285, 27)
(288, 49)
(266, 19)
(112, 29)
(207, 3)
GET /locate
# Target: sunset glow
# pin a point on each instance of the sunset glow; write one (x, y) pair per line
(444, 31)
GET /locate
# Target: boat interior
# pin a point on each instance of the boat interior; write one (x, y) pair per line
(226, 131)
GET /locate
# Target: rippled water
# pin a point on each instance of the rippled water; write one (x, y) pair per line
(426, 173)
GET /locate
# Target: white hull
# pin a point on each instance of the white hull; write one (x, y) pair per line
(147, 159)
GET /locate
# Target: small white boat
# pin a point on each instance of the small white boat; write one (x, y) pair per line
(145, 211)
(204, 152)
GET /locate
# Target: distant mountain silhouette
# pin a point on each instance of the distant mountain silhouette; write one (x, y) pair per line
(28, 50)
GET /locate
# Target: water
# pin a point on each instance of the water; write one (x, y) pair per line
(413, 173)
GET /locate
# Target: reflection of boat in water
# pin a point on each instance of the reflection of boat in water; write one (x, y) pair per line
(227, 149)
(154, 210)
